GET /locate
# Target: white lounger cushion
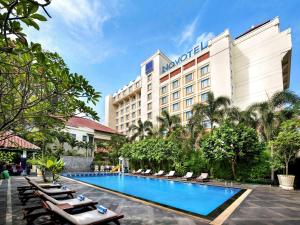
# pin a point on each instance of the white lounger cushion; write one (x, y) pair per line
(188, 175)
(203, 176)
(171, 174)
(148, 171)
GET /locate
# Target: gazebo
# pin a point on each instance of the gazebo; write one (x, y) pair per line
(13, 143)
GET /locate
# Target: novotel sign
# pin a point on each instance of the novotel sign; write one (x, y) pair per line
(184, 57)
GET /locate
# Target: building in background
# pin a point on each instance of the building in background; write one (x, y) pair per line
(247, 69)
(87, 130)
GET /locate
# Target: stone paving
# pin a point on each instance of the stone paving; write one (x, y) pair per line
(265, 205)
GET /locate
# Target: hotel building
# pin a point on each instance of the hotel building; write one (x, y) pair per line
(247, 69)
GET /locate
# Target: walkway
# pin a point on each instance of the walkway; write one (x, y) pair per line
(265, 205)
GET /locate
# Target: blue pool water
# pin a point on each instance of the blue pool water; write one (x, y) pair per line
(195, 198)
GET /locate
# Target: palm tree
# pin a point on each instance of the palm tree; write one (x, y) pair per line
(246, 117)
(272, 112)
(168, 122)
(212, 109)
(141, 130)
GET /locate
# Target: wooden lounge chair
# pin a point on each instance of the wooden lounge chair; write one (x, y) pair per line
(50, 191)
(25, 188)
(92, 217)
(147, 172)
(203, 177)
(75, 203)
(138, 171)
(188, 176)
(160, 173)
(170, 174)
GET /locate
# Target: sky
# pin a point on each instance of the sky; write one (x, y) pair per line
(106, 41)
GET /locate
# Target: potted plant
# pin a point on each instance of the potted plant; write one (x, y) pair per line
(285, 146)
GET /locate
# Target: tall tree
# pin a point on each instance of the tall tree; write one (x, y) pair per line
(272, 112)
(212, 109)
(141, 130)
(34, 84)
(168, 122)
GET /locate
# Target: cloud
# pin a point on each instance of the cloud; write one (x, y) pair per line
(76, 29)
(204, 37)
(187, 33)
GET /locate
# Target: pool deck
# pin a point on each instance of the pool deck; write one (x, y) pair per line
(265, 205)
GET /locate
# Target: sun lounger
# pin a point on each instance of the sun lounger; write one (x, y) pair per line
(92, 217)
(49, 191)
(170, 174)
(138, 171)
(160, 173)
(188, 176)
(25, 188)
(71, 204)
(147, 172)
(203, 177)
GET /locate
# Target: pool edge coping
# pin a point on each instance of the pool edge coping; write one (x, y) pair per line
(219, 220)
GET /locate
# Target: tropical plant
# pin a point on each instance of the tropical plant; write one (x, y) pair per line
(141, 130)
(34, 84)
(287, 144)
(49, 164)
(212, 109)
(168, 122)
(88, 146)
(232, 143)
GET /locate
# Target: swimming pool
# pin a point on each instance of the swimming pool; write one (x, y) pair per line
(198, 199)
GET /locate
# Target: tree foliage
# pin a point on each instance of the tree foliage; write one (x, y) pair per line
(286, 144)
(233, 144)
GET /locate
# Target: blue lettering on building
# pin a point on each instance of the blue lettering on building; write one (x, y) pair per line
(184, 57)
(149, 67)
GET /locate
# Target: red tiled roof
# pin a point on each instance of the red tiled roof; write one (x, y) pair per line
(84, 122)
(11, 141)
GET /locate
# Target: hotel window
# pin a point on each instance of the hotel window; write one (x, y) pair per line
(127, 124)
(189, 89)
(116, 127)
(149, 87)
(133, 122)
(122, 127)
(117, 121)
(149, 106)
(73, 136)
(150, 115)
(205, 83)
(149, 77)
(133, 115)
(188, 78)
(206, 124)
(127, 108)
(133, 106)
(164, 100)
(164, 109)
(176, 95)
(139, 112)
(188, 115)
(122, 111)
(204, 70)
(204, 97)
(130, 88)
(175, 106)
(175, 84)
(139, 103)
(117, 114)
(127, 117)
(133, 98)
(189, 102)
(122, 119)
(164, 89)
(84, 138)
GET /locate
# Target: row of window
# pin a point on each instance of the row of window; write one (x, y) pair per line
(84, 137)
(203, 84)
(176, 95)
(130, 89)
(133, 115)
(133, 107)
(188, 102)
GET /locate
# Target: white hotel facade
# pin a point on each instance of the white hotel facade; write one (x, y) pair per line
(247, 69)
